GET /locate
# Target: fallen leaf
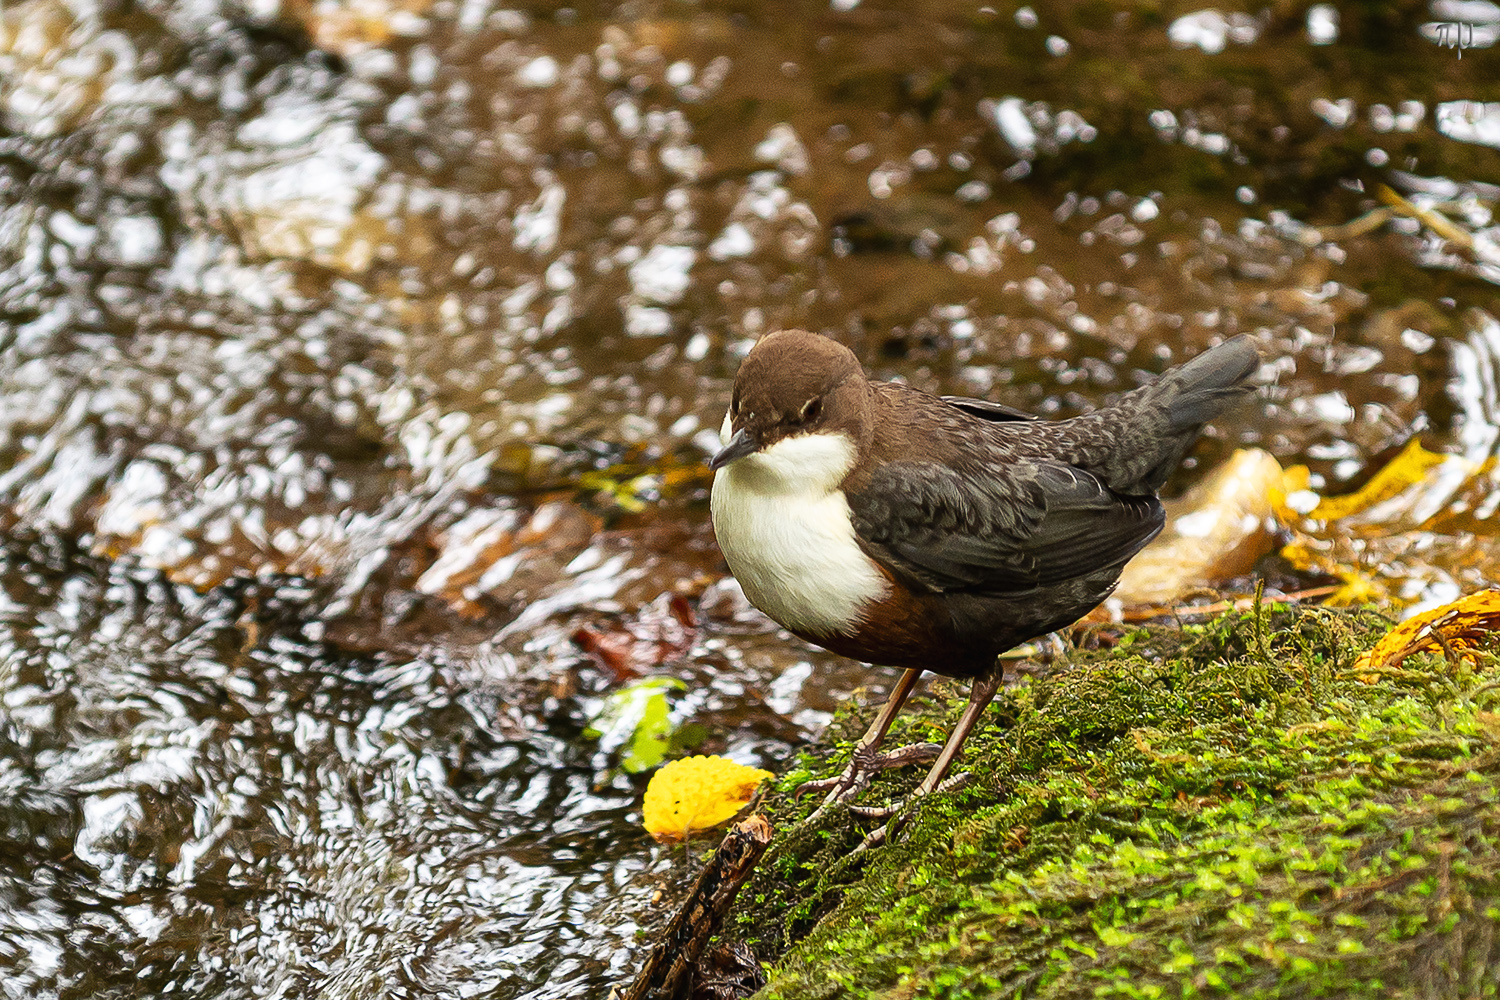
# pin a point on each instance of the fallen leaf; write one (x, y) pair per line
(1292, 498)
(1408, 468)
(1350, 537)
(695, 794)
(658, 632)
(633, 486)
(612, 650)
(637, 720)
(1214, 533)
(1467, 624)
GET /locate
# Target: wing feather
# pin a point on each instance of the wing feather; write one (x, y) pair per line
(986, 410)
(1011, 530)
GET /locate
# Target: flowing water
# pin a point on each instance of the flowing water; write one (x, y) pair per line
(358, 361)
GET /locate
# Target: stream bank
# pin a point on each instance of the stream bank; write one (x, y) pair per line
(1226, 809)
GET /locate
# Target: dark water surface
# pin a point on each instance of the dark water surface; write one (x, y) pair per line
(358, 361)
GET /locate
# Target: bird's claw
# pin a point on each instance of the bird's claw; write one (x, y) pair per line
(862, 768)
(846, 783)
(873, 839)
(897, 815)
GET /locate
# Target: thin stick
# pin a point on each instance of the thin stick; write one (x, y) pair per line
(1238, 604)
(668, 971)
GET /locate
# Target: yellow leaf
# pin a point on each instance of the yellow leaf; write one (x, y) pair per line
(1357, 588)
(1214, 533)
(1468, 623)
(1299, 555)
(696, 794)
(1407, 469)
(1294, 480)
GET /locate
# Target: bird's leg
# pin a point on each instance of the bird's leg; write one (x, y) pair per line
(981, 693)
(867, 760)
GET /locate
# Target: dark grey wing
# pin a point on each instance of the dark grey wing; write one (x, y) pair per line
(1011, 530)
(985, 410)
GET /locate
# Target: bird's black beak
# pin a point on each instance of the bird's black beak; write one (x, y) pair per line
(739, 446)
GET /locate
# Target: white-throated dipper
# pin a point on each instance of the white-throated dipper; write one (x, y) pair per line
(905, 529)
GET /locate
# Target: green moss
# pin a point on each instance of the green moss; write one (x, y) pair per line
(1222, 811)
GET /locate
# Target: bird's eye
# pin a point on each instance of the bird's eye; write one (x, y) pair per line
(810, 410)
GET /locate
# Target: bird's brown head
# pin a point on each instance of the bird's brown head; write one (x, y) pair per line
(793, 383)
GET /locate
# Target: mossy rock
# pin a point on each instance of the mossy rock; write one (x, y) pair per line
(1221, 810)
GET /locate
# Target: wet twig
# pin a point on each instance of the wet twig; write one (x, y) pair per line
(1236, 604)
(668, 971)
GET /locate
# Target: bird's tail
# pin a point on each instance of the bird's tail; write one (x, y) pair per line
(1178, 404)
(1200, 390)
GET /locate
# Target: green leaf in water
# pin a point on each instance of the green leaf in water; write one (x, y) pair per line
(636, 721)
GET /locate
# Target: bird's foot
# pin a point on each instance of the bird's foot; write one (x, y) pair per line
(866, 763)
(897, 815)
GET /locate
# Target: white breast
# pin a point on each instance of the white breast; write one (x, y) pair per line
(783, 525)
